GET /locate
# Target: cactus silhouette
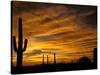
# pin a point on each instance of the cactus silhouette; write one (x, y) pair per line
(95, 56)
(43, 59)
(54, 58)
(47, 59)
(20, 49)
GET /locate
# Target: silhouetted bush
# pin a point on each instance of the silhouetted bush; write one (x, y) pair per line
(84, 60)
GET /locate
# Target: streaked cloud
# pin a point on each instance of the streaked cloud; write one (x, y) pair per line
(56, 28)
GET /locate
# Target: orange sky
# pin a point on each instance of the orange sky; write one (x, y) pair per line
(53, 28)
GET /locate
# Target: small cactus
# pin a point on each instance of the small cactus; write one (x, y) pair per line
(43, 59)
(47, 59)
(54, 58)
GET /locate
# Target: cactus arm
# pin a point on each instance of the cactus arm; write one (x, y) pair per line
(14, 43)
(25, 45)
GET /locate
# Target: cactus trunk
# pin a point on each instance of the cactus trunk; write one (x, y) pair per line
(19, 59)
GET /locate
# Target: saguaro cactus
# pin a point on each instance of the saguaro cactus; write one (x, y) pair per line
(21, 48)
(43, 59)
(54, 58)
(95, 57)
(47, 59)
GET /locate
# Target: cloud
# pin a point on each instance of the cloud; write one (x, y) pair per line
(67, 28)
(33, 52)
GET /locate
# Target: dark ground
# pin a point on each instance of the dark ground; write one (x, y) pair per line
(53, 68)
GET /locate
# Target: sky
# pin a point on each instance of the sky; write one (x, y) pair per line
(70, 31)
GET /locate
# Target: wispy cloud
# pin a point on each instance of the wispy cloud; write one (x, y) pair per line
(67, 28)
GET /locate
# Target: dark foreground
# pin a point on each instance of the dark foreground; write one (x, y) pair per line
(53, 68)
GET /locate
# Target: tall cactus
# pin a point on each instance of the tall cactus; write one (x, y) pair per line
(20, 48)
(95, 57)
(54, 58)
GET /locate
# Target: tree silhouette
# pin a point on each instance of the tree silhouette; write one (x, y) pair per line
(20, 49)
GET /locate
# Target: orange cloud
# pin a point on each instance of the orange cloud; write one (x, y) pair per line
(67, 28)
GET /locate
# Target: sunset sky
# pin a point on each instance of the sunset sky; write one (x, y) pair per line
(70, 31)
